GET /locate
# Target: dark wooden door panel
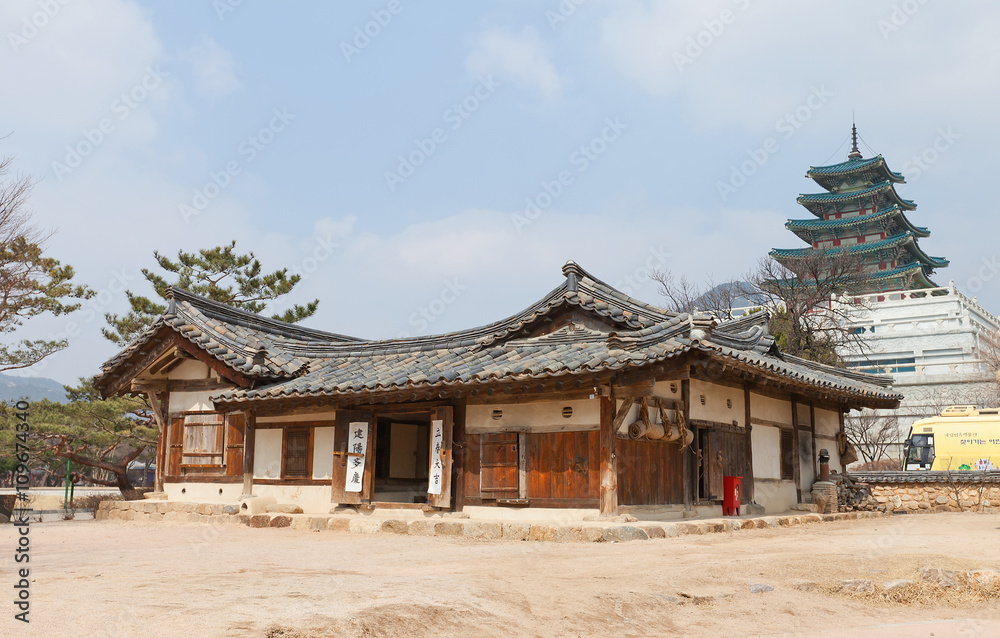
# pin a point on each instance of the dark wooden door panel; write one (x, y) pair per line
(563, 465)
(498, 468)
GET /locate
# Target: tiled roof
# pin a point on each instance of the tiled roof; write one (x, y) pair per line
(245, 342)
(925, 476)
(902, 239)
(853, 166)
(831, 198)
(613, 333)
(830, 224)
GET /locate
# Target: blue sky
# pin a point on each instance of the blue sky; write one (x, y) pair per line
(431, 167)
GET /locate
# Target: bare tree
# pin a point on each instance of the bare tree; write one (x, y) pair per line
(31, 283)
(811, 318)
(876, 437)
(683, 295)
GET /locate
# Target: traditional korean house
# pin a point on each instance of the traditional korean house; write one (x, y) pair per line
(588, 399)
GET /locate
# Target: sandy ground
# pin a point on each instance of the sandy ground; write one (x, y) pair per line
(103, 578)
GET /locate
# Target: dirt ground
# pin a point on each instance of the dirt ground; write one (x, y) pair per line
(103, 578)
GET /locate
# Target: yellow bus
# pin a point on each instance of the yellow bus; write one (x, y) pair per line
(961, 438)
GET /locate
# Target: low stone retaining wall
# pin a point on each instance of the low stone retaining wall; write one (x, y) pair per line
(436, 525)
(934, 491)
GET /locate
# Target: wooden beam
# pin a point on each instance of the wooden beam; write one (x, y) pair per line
(220, 368)
(688, 452)
(796, 457)
(160, 415)
(621, 413)
(609, 459)
(748, 487)
(249, 441)
(812, 426)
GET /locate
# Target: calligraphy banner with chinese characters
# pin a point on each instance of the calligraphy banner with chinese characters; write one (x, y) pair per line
(357, 445)
(437, 468)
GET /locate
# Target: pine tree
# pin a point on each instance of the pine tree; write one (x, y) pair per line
(218, 273)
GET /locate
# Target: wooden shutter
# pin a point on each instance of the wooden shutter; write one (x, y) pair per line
(787, 456)
(341, 458)
(297, 453)
(235, 436)
(498, 474)
(176, 446)
(446, 416)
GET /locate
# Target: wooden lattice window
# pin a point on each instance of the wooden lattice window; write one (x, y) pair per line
(787, 456)
(296, 453)
(204, 440)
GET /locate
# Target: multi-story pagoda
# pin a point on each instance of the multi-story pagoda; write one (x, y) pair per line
(861, 213)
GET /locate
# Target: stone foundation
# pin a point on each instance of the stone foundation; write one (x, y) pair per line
(934, 491)
(438, 525)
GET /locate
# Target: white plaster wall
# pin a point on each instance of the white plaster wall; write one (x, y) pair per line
(662, 390)
(191, 401)
(776, 497)
(539, 416)
(190, 369)
(267, 453)
(323, 453)
(313, 499)
(803, 413)
(770, 409)
(766, 443)
(297, 418)
(716, 407)
(204, 492)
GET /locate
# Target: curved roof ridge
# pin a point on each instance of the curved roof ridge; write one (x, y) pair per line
(229, 314)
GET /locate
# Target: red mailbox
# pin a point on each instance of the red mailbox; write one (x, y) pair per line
(731, 487)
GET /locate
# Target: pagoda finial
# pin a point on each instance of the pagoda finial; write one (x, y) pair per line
(855, 153)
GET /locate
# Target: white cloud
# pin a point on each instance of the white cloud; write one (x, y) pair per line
(520, 58)
(214, 68)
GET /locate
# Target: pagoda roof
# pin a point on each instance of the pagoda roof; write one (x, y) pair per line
(804, 228)
(825, 175)
(914, 270)
(884, 187)
(905, 239)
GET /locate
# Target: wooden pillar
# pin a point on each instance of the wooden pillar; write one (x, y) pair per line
(249, 440)
(160, 416)
(460, 460)
(687, 455)
(796, 460)
(748, 479)
(609, 458)
(812, 426)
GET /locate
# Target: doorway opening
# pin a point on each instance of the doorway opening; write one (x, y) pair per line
(402, 457)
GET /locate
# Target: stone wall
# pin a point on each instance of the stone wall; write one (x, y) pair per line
(934, 491)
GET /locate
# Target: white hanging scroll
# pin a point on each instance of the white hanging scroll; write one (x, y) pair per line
(437, 468)
(357, 444)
